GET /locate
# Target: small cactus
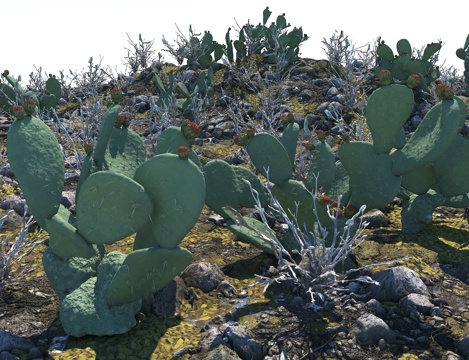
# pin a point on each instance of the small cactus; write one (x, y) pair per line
(18, 112)
(413, 81)
(385, 77)
(183, 152)
(116, 95)
(29, 107)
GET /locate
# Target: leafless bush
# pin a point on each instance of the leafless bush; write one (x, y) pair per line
(186, 47)
(350, 63)
(140, 55)
(15, 250)
(314, 269)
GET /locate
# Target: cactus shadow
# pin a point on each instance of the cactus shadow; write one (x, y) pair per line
(141, 341)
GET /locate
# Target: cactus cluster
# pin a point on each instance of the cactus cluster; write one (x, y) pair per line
(204, 87)
(463, 54)
(274, 41)
(12, 94)
(119, 193)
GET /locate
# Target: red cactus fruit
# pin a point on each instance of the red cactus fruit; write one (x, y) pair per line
(116, 95)
(440, 90)
(321, 135)
(29, 107)
(119, 122)
(413, 81)
(183, 152)
(18, 112)
(385, 77)
(288, 118)
(349, 211)
(448, 93)
(89, 148)
(324, 199)
(310, 146)
(241, 139)
(250, 133)
(126, 123)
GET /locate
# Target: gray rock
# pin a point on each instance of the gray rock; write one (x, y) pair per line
(219, 353)
(226, 289)
(331, 92)
(242, 342)
(376, 308)
(416, 302)
(5, 355)
(449, 355)
(165, 301)
(9, 341)
(371, 330)
(13, 202)
(463, 347)
(204, 276)
(68, 199)
(375, 219)
(395, 283)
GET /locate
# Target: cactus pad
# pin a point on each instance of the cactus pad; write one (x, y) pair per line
(110, 207)
(37, 162)
(177, 190)
(145, 271)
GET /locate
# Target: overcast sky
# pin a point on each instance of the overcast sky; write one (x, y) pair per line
(59, 36)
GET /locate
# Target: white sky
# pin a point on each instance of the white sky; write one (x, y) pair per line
(63, 35)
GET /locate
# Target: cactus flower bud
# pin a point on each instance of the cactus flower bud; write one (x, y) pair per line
(321, 135)
(440, 90)
(324, 199)
(18, 112)
(29, 107)
(126, 123)
(345, 137)
(241, 139)
(349, 211)
(413, 81)
(89, 148)
(385, 77)
(183, 152)
(288, 118)
(250, 133)
(116, 95)
(448, 93)
(310, 146)
(119, 122)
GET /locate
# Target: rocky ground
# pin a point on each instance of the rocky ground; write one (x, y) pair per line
(408, 298)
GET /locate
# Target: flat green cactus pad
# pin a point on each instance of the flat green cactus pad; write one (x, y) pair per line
(294, 192)
(387, 110)
(125, 152)
(104, 134)
(169, 141)
(289, 141)
(449, 172)
(245, 196)
(267, 152)
(37, 162)
(339, 185)
(7, 96)
(65, 241)
(246, 234)
(372, 182)
(420, 180)
(323, 167)
(177, 190)
(435, 133)
(145, 271)
(110, 207)
(222, 186)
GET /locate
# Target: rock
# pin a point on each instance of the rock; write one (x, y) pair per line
(68, 199)
(13, 202)
(219, 353)
(10, 342)
(165, 301)
(371, 330)
(376, 308)
(449, 355)
(375, 219)
(226, 289)
(203, 275)
(463, 347)
(395, 283)
(85, 311)
(242, 342)
(413, 303)
(5, 355)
